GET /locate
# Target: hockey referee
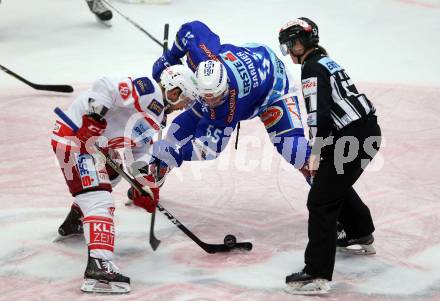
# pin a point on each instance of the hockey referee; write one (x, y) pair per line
(344, 136)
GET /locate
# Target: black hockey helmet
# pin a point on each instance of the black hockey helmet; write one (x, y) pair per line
(302, 29)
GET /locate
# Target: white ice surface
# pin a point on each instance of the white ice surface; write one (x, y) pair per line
(389, 48)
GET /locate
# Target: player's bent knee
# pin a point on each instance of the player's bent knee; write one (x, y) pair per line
(96, 203)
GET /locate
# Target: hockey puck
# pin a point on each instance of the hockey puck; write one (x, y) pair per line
(230, 241)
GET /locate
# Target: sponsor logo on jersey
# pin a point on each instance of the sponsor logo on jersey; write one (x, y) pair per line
(230, 57)
(155, 107)
(142, 132)
(212, 114)
(331, 65)
(87, 171)
(271, 116)
(309, 86)
(208, 52)
(143, 86)
(231, 105)
(241, 74)
(250, 66)
(124, 90)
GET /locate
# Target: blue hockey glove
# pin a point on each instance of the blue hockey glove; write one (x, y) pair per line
(166, 60)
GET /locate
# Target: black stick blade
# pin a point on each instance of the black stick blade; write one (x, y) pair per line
(154, 242)
(222, 248)
(54, 88)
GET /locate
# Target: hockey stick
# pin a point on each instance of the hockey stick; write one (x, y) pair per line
(154, 242)
(53, 88)
(209, 248)
(134, 23)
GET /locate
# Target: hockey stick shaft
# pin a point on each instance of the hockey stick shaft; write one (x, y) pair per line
(154, 242)
(53, 88)
(209, 248)
(134, 23)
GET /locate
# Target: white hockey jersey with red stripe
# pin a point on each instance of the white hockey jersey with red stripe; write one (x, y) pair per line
(135, 112)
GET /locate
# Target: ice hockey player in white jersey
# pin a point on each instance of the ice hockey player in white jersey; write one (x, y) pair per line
(122, 114)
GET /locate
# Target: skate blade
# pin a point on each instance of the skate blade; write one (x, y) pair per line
(317, 287)
(95, 286)
(76, 236)
(358, 250)
(128, 203)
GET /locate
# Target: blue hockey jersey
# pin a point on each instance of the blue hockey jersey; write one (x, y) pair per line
(256, 78)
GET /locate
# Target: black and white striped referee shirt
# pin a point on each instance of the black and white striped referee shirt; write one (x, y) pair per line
(332, 100)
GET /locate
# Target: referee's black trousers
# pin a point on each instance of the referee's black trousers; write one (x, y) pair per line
(332, 198)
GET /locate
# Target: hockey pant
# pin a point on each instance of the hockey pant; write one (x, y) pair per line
(89, 182)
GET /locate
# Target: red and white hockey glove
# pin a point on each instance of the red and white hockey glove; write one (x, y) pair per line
(90, 128)
(149, 201)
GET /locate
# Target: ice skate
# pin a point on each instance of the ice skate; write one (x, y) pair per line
(304, 284)
(102, 13)
(101, 276)
(356, 246)
(72, 225)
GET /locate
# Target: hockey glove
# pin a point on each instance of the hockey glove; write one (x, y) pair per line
(149, 200)
(166, 60)
(90, 127)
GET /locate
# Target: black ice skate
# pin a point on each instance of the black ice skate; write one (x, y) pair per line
(102, 13)
(304, 284)
(356, 246)
(72, 225)
(101, 276)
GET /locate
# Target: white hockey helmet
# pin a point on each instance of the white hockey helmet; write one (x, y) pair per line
(179, 76)
(212, 79)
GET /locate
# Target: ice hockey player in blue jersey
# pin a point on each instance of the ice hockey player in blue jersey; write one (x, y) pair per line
(235, 83)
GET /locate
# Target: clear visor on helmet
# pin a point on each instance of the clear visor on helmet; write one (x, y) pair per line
(286, 46)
